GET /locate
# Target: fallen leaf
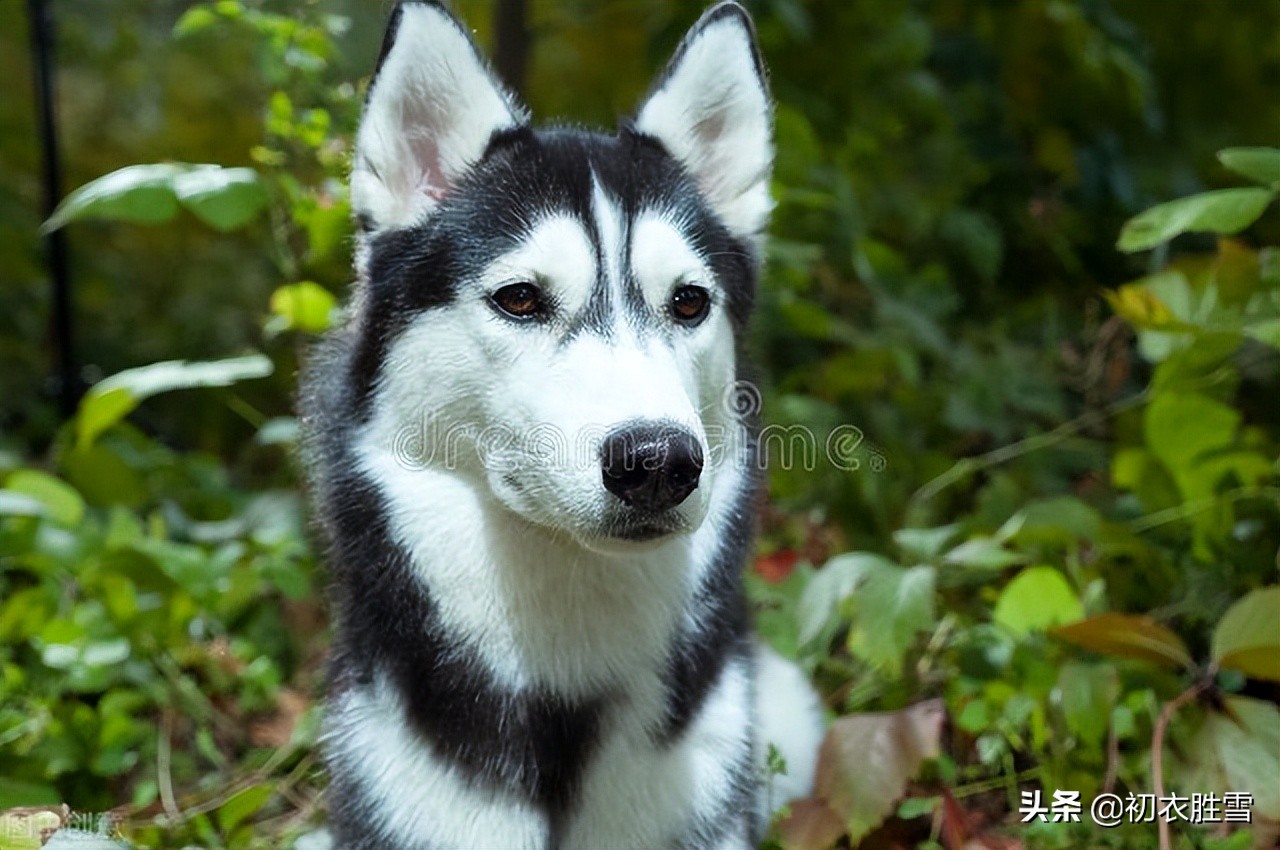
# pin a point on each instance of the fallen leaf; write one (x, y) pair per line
(811, 825)
(866, 761)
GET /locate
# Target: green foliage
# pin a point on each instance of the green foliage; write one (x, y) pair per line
(112, 399)
(148, 637)
(1223, 211)
(1023, 584)
(223, 198)
(1247, 639)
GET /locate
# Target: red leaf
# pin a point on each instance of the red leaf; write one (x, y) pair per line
(954, 824)
(776, 567)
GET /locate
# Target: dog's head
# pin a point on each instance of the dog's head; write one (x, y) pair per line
(555, 313)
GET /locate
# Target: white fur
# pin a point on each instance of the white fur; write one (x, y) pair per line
(664, 260)
(637, 795)
(609, 225)
(556, 246)
(789, 716)
(429, 117)
(577, 619)
(712, 113)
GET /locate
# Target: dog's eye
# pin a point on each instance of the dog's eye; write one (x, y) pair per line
(690, 304)
(519, 300)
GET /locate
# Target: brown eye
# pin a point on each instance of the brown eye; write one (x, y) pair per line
(690, 304)
(519, 300)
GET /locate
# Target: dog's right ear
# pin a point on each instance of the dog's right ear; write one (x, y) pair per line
(431, 109)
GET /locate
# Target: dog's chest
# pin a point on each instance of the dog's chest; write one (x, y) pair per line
(641, 791)
(558, 780)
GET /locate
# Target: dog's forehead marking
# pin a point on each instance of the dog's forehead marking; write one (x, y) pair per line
(661, 257)
(611, 228)
(557, 250)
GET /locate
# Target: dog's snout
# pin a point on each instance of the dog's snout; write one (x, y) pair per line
(651, 466)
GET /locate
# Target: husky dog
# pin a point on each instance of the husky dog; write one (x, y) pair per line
(532, 469)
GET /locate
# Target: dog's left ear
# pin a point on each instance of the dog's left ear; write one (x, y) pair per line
(710, 109)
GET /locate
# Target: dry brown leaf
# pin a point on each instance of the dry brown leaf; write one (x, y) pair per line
(954, 822)
(811, 825)
(277, 729)
(867, 760)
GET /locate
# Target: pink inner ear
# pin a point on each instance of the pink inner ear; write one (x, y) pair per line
(432, 181)
(435, 193)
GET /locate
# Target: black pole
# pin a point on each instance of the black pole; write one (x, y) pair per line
(511, 42)
(42, 45)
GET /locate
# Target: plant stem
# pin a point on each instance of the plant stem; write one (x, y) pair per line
(1157, 750)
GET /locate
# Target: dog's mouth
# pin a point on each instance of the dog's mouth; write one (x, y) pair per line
(641, 532)
(624, 533)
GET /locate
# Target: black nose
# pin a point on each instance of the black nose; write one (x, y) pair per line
(651, 466)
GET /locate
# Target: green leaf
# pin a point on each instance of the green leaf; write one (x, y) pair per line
(924, 544)
(1182, 427)
(278, 431)
(1248, 636)
(1128, 636)
(20, 504)
(984, 553)
(15, 792)
(304, 306)
(1259, 164)
(896, 743)
(1221, 211)
(1059, 521)
(111, 399)
(104, 653)
(1266, 331)
(1088, 692)
(137, 193)
(893, 606)
(102, 476)
(194, 20)
(1036, 599)
(243, 805)
(830, 586)
(223, 198)
(61, 502)
(1238, 750)
(1138, 305)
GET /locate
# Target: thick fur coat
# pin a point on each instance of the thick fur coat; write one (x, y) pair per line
(530, 464)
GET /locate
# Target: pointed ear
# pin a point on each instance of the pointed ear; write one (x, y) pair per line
(430, 112)
(711, 111)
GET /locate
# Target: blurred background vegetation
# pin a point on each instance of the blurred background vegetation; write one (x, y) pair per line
(1049, 561)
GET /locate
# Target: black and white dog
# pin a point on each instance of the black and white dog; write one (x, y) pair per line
(530, 466)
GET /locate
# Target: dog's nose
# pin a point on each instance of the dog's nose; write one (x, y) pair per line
(651, 466)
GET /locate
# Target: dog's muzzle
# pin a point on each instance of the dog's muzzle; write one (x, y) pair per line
(651, 466)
